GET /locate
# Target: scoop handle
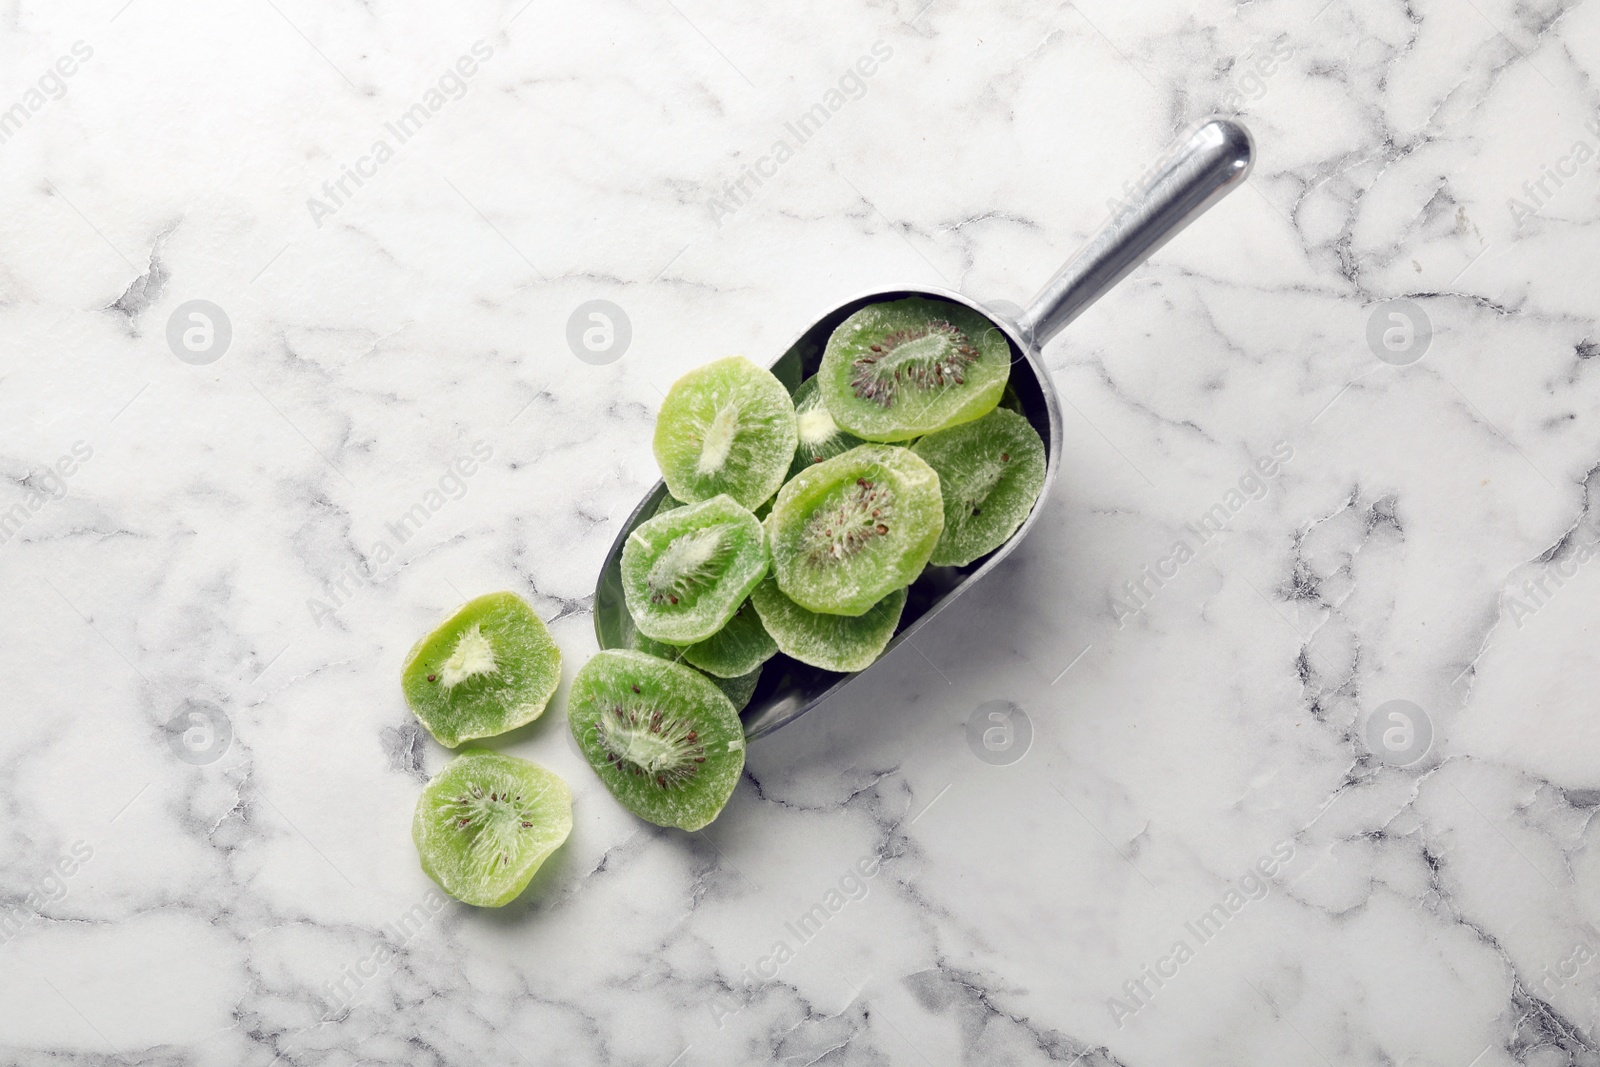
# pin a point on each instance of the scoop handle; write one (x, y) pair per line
(1199, 171)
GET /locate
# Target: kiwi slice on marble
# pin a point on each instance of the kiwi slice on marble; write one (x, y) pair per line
(727, 427)
(489, 668)
(665, 741)
(902, 368)
(485, 824)
(852, 529)
(820, 437)
(685, 573)
(833, 642)
(738, 648)
(991, 472)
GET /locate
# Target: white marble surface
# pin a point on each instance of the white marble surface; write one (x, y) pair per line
(1441, 913)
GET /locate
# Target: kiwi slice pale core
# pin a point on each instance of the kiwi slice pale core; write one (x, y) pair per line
(902, 368)
(485, 824)
(820, 437)
(665, 741)
(489, 668)
(686, 571)
(727, 427)
(852, 529)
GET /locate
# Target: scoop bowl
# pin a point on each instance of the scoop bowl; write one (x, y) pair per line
(1205, 166)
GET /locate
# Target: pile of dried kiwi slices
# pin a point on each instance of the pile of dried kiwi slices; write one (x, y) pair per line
(795, 526)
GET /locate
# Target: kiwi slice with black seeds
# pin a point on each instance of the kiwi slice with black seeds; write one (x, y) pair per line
(486, 823)
(896, 370)
(665, 741)
(852, 529)
(685, 572)
(991, 472)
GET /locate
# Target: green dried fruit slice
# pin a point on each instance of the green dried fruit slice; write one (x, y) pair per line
(738, 648)
(832, 642)
(685, 572)
(820, 437)
(668, 503)
(991, 472)
(485, 824)
(489, 668)
(665, 741)
(1010, 400)
(632, 638)
(660, 649)
(854, 528)
(727, 427)
(738, 690)
(897, 370)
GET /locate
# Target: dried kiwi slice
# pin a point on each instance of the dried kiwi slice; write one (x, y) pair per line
(738, 648)
(832, 642)
(485, 824)
(727, 427)
(990, 474)
(820, 437)
(632, 638)
(685, 572)
(738, 690)
(896, 370)
(854, 528)
(665, 741)
(668, 503)
(489, 668)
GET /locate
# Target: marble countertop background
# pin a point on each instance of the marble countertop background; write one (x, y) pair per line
(1361, 394)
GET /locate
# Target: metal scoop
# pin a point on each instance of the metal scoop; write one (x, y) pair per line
(1201, 170)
